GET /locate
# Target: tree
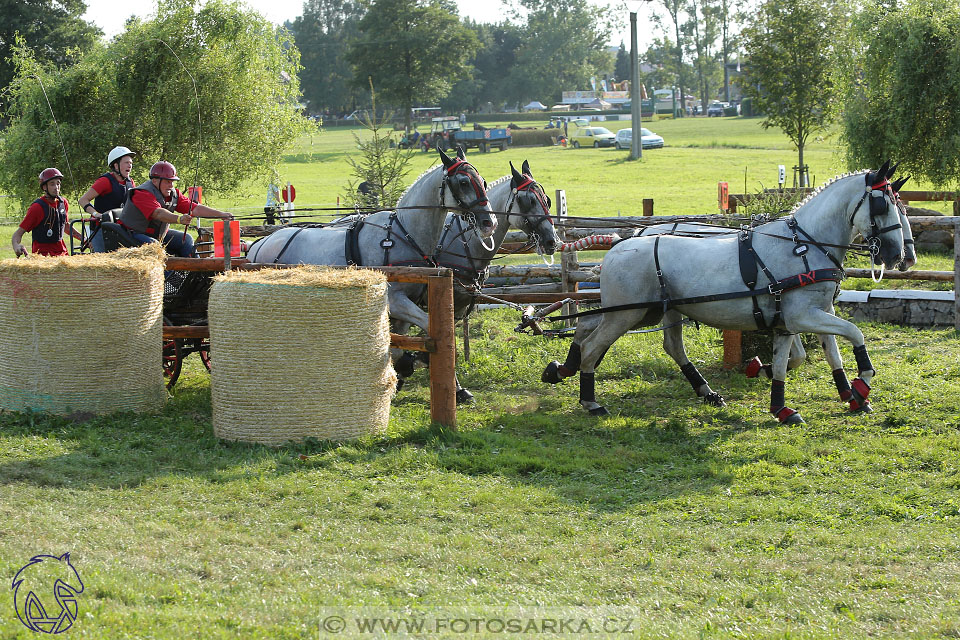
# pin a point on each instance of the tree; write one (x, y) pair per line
(413, 50)
(701, 29)
(674, 9)
(564, 45)
(899, 83)
(52, 30)
(788, 73)
(621, 68)
(134, 92)
(322, 35)
(382, 165)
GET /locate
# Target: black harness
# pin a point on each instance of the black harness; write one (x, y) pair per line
(751, 264)
(352, 241)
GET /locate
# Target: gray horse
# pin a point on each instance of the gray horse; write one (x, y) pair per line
(648, 279)
(392, 238)
(517, 201)
(756, 368)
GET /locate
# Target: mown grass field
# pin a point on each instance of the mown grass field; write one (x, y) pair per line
(687, 520)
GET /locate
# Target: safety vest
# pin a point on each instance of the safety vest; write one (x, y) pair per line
(115, 198)
(50, 231)
(132, 218)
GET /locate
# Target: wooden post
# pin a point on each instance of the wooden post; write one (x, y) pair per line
(568, 259)
(732, 349)
(443, 388)
(648, 206)
(956, 272)
(226, 245)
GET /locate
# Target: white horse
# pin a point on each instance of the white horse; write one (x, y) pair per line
(798, 354)
(518, 201)
(389, 238)
(647, 279)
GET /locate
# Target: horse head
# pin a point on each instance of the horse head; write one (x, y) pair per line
(469, 192)
(879, 222)
(534, 205)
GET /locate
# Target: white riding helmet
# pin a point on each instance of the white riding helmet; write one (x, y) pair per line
(116, 153)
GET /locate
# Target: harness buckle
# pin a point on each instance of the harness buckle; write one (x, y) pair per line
(386, 243)
(800, 249)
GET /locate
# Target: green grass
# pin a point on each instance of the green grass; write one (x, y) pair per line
(692, 520)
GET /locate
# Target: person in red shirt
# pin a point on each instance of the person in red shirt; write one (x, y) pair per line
(46, 218)
(109, 192)
(153, 206)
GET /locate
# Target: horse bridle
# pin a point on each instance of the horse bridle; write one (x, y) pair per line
(479, 190)
(878, 193)
(534, 191)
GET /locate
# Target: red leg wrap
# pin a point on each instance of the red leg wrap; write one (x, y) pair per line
(753, 367)
(859, 391)
(846, 395)
(564, 371)
(782, 413)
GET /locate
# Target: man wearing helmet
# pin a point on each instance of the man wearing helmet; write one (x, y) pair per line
(153, 206)
(108, 192)
(46, 218)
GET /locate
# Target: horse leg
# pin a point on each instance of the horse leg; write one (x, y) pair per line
(673, 345)
(554, 372)
(594, 347)
(824, 322)
(756, 368)
(832, 353)
(782, 346)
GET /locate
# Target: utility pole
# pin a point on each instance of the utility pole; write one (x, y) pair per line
(636, 149)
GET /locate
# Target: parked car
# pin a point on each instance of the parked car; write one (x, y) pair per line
(592, 137)
(716, 109)
(648, 139)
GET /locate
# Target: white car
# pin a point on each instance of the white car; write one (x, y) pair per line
(648, 139)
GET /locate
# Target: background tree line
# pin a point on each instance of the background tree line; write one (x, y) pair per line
(885, 75)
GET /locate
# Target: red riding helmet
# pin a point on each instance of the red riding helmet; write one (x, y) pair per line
(49, 174)
(165, 170)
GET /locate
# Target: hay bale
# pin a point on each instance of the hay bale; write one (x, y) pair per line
(300, 353)
(82, 334)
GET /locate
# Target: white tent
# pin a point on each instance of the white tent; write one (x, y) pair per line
(534, 105)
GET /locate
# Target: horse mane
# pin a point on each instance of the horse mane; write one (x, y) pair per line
(410, 186)
(498, 181)
(822, 187)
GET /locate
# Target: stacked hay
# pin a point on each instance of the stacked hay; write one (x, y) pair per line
(82, 334)
(300, 353)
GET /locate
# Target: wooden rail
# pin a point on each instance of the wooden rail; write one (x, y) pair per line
(441, 343)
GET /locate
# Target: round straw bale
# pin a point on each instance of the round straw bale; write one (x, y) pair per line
(82, 334)
(299, 353)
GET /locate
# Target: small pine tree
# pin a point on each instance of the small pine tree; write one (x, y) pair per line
(379, 172)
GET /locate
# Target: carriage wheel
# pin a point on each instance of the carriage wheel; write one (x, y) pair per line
(204, 352)
(483, 147)
(172, 361)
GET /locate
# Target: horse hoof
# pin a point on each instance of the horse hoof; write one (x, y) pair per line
(550, 374)
(715, 399)
(599, 411)
(861, 408)
(464, 397)
(794, 419)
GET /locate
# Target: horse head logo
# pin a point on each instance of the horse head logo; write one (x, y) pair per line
(41, 575)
